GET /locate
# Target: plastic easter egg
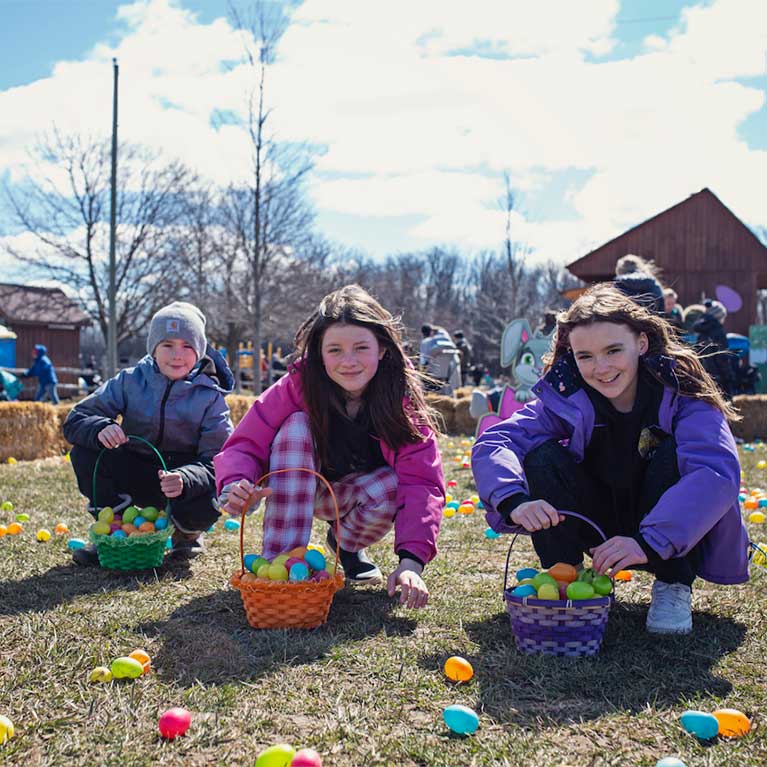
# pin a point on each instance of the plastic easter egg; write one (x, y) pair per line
(126, 668)
(280, 755)
(290, 561)
(106, 514)
(3, 530)
(277, 572)
(541, 578)
(454, 505)
(6, 729)
(580, 590)
(232, 524)
(548, 591)
(480, 505)
(100, 675)
(11, 461)
(562, 571)
(315, 560)
(150, 513)
(15, 528)
(670, 761)
(61, 529)
(490, 533)
(75, 543)
(761, 464)
(100, 528)
(700, 724)
(139, 520)
(461, 719)
(248, 578)
(320, 575)
(306, 757)
(129, 529)
(298, 572)
(115, 526)
(299, 552)
(130, 514)
(43, 534)
(22, 517)
(526, 572)
(314, 547)
(528, 590)
(146, 527)
(142, 656)
(448, 498)
(448, 512)
(6, 506)
(757, 517)
(623, 575)
(119, 534)
(161, 523)
(602, 585)
(169, 543)
(458, 669)
(762, 503)
(248, 561)
(732, 723)
(174, 723)
(466, 508)
(263, 570)
(452, 483)
(751, 503)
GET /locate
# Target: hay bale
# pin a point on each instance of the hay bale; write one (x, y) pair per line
(753, 409)
(464, 423)
(445, 406)
(29, 430)
(238, 405)
(463, 392)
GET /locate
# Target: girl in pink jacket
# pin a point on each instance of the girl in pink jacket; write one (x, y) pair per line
(352, 408)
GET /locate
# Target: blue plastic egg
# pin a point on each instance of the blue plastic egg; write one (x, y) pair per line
(75, 543)
(231, 524)
(528, 590)
(453, 505)
(248, 561)
(526, 572)
(670, 761)
(742, 497)
(700, 724)
(161, 523)
(762, 503)
(119, 534)
(298, 572)
(138, 521)
(461, 719)
(490, 533)
(480, 505)
(169, 544)
(314, 559)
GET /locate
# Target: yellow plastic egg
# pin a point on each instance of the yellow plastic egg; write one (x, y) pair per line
(448, 498)
(757, 517)
(761, 465)
(458, 669)
(43, 534)
(100, 674)
(732, 723)
(11, 460)
(6, 729)
(100, 528)
(448, 512)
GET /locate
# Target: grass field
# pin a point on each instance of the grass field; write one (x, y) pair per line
(367, 688)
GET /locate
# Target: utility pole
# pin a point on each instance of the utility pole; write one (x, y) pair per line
(112, 331)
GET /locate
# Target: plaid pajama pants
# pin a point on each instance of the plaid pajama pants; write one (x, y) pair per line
(366, 502)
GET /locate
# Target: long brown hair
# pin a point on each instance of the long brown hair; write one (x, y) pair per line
(395, 380)
(604, 303)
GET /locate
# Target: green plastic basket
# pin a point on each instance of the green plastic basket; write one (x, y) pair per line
(137, 552)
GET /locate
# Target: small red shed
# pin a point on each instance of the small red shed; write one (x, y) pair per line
(697, 244)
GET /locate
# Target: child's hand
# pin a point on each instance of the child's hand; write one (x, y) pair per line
(413, 591)
(171, 483)
(617, 553)
(235, 495)
(536, 515)
(112, 436)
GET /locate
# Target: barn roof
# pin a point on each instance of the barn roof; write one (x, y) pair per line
(28, 304)
(593, 263)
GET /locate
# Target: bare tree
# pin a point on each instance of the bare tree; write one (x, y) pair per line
(66, 207)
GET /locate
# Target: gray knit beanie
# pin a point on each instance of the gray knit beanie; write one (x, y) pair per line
(717, 311)
(178, 320)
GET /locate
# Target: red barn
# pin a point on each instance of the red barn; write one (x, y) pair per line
(697, 244)
(44, 316)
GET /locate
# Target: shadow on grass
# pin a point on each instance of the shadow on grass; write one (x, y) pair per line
(209, 640)
(634, 670)
(63, 583)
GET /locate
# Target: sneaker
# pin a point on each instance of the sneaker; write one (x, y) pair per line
(87, 556)
(188, 544)
(670, 609)
(357, 565)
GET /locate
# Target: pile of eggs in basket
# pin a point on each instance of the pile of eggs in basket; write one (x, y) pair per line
(133, 521)
(300, 564)
(562, 581)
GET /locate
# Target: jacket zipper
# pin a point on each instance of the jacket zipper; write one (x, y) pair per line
(161, 431)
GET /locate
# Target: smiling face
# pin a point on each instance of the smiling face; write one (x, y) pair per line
(350, 354)
(607, 355)
(175, 358)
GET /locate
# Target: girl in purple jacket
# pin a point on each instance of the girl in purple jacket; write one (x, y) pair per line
(630, 431)
(352, 408)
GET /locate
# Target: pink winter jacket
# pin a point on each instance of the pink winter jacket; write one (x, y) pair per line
(418, 466)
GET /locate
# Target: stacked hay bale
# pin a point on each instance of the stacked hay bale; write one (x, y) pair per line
(445, 406)
(238, 406)
(28, 430)
(753, 409)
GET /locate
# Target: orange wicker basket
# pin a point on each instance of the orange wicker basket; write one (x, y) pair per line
(277, 604)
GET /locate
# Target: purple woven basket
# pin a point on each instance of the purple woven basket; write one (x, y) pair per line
(557, 627)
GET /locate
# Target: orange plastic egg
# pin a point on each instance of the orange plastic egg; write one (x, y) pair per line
(458, 669)
(3, 530)
(61, 529)
(751, 503)
(129, 529)
(146, 527)
(142, 656)
(623, 575)
(732, 723)
(562, 571)
(14, 528)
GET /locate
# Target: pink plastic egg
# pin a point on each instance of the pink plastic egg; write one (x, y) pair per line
(306, 757)
(292, 561)
(174, 722)
(114, 526)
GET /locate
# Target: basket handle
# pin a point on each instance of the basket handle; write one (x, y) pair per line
(140, 439)
(246, 506)
(564, 513)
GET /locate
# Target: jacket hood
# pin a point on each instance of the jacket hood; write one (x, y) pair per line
(215, 367)
(40, 350)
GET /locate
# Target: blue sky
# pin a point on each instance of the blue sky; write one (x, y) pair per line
(602, 113)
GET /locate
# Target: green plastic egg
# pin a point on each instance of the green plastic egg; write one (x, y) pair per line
(150, 513)
(101, 528)
(280, 755)
(126, 668)
(580, 590)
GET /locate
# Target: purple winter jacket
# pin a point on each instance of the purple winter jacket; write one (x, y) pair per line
(701, 508)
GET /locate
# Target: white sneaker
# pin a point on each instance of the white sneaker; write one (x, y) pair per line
(670, 609)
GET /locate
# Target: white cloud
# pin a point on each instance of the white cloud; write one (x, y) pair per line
(421, 130)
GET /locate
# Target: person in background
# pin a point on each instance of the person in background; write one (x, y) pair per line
(712, 346)
(636, 278)
(672, 312)
(548, 324)
(464, 349)
(42, 369)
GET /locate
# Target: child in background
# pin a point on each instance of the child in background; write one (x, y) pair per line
(352, 408)
(47, 382)
(174, 398)
(629, 430)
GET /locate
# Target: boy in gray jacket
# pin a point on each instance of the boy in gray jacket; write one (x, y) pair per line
(174, 398)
